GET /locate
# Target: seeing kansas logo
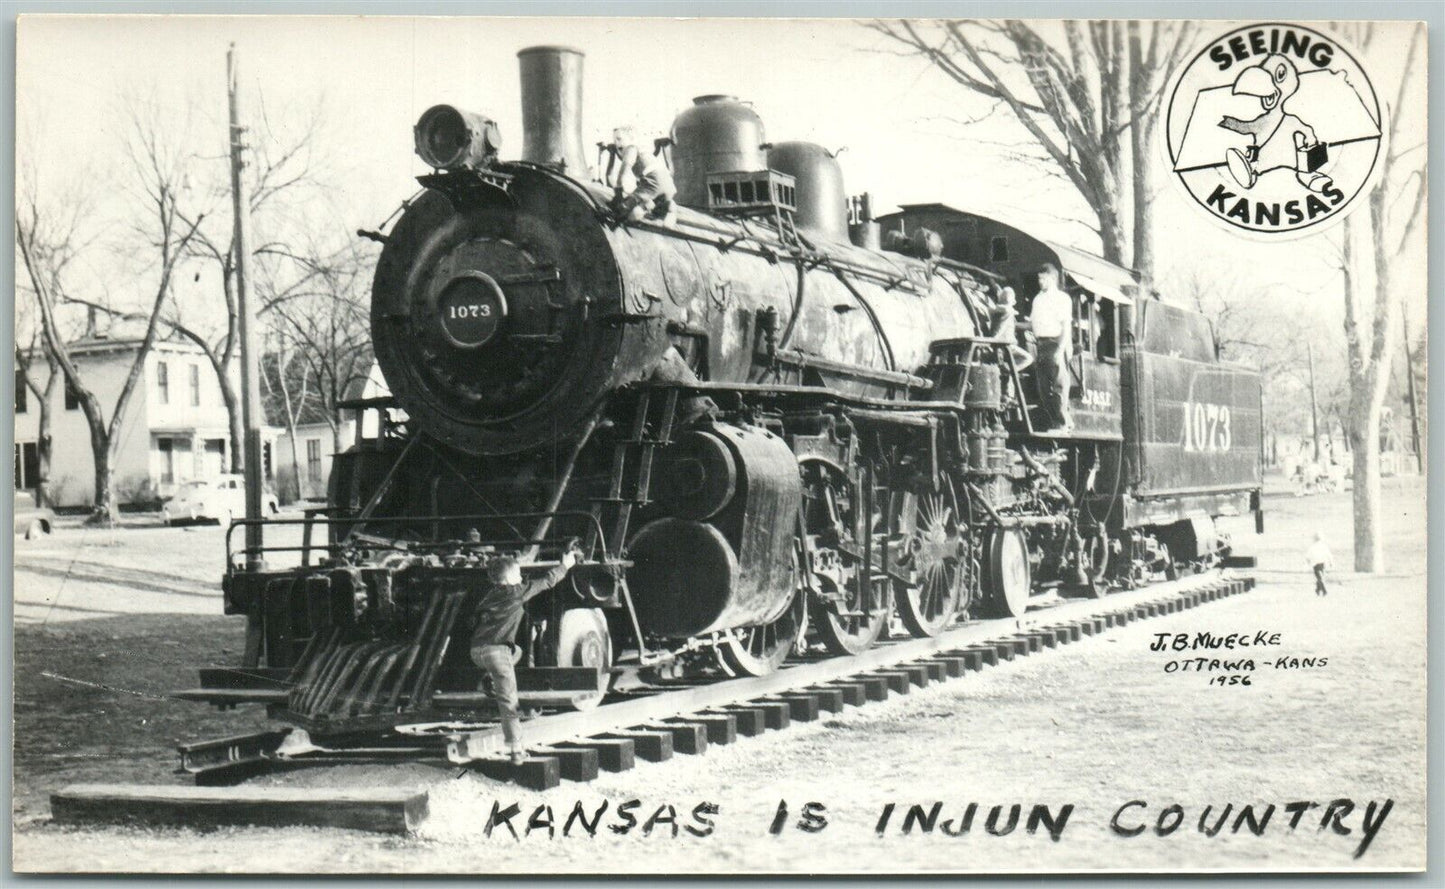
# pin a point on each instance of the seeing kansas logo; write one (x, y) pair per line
(1274, 129)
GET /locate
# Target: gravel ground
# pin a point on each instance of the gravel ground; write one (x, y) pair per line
(1095, 725)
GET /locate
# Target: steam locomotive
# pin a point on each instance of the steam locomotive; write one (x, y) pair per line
(767, 431)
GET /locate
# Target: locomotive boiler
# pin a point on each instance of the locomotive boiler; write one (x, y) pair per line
(766, 433)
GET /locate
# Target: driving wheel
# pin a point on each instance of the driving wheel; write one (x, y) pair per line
(924, 546)
(1008, 576)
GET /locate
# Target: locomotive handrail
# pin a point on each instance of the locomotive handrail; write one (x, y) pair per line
(409, 546)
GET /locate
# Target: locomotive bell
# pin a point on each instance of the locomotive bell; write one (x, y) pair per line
(448, 138)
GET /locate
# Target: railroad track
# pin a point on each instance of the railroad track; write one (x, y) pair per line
(656, 724)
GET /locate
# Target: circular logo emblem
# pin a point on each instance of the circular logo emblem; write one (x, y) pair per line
(1274, 129)
(471, 308)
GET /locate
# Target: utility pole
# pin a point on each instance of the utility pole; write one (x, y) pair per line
(1410, 391)
(1314, 411)
(251, 416)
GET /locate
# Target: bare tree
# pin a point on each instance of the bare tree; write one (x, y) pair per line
(324, 316)
(1372, 297)
(43, 247)
(56, 238)
(282, 164)
(25, 361)
(1076, 97)
(286, 389)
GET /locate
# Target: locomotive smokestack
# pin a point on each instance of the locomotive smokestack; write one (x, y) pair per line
(552, 108)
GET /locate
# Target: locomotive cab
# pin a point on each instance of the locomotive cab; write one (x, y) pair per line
(1099, 290)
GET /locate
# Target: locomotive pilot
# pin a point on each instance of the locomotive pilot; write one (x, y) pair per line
(1052, 322)
(497, 619)
(653, 191)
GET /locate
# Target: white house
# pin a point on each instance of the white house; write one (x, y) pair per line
(175, 427)
(317, 442)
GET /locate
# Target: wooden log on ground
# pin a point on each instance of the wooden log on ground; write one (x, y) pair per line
(376, 809)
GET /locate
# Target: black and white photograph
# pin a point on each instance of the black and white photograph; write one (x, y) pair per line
(701, 446)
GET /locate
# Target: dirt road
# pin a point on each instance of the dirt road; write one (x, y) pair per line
(1096, 725)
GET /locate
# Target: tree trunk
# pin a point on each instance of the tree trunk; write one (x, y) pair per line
(1364, 438)
(1143, 205)
(233, 416)
(1111, 230)
(103, 512)
(43, 443)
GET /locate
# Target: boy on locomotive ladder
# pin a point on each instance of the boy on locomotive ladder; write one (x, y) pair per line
(497, 619)
(652, 196)
(1052, 323)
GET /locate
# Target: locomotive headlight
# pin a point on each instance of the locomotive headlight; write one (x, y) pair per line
(448, 138)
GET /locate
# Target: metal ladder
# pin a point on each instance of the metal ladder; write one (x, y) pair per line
(633, 456)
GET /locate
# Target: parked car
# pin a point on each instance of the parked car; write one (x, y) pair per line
(32, 520)
(221, 499)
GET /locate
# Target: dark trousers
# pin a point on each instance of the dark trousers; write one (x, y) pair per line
(497, 661)
(1320, 580)
(1051, 372)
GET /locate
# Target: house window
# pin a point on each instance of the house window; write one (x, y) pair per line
(167, 449)
(27, 465)
(998, 250)
(163, 382)
(72, 398)
(21, 394)
(195, 385)
(313, 459)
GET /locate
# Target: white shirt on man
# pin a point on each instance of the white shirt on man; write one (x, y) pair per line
(1319, 554)
(1052, 314)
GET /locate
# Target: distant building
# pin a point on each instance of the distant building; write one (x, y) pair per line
(175, 427)
(303, 473)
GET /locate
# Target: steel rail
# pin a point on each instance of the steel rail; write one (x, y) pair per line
(666, 704)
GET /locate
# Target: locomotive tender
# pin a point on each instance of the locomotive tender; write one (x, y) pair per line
(767, 432)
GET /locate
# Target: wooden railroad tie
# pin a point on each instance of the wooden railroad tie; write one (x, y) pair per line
(577, 763)
(688, 738)
(649, 745)
(830, 699)
(613, 754)
(854, 694)
(534, 772)
(749, 720)
(721, 728)
(898, 681)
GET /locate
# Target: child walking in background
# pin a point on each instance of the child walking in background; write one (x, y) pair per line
(1319, 557)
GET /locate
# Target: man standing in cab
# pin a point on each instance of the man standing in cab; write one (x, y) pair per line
(1052, 323)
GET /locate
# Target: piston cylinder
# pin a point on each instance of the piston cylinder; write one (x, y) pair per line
(732, 567)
